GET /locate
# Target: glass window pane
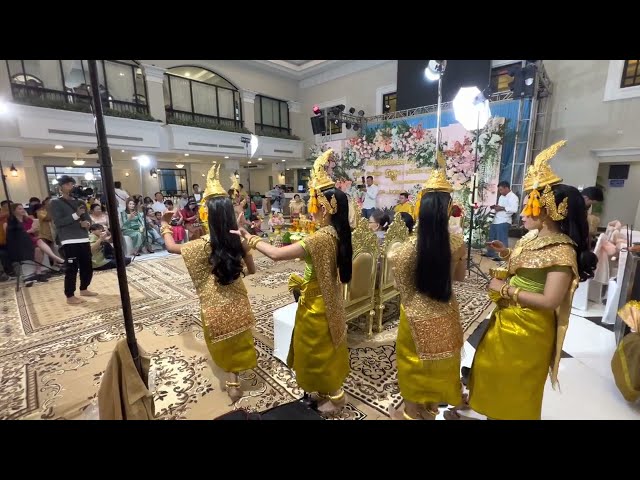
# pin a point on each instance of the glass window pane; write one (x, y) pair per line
(181, 95)
(284, 115)
(15, 68)
(119, 81)
(46, 73)
(256, 110)
(225, 100)
(73, 74)
(204, 99)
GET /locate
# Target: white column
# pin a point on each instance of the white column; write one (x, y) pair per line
(155, 81)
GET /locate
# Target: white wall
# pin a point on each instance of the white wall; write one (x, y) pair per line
(621, 203)
(580, 116)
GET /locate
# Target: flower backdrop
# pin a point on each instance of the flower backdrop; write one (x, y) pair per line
(400, 157)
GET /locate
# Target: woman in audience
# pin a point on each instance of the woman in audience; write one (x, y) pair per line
(408, 220)
(318, 352)
(98, 216)
(216, 264)
(192, 220)
(430, 335)
(176, 222)
(133, 226)
(31, 227)
(45, 232)
(523, 343)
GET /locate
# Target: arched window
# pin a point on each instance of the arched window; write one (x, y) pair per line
(197, 96)
(52, 83)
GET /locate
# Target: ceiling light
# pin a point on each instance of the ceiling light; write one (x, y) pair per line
(126, 174)
(121, 74)
(226, 156)
(186, 154)
(249, 162)
(260, 159)
(288, 169)
(78, 161)
(203, 175)
(283, 160)
(143, 160)
(58, 147)
(179, 165)
(122, 151)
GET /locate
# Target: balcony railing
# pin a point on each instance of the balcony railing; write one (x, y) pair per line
(180, 117)
(72, 100)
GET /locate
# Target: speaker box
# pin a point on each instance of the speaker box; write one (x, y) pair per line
(297, 410)
(318, 125)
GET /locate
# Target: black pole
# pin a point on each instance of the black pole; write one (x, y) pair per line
(106, 169)
(4, 184)
(473, 195)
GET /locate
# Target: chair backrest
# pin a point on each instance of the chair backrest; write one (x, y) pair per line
(396, 235)
(365, 263)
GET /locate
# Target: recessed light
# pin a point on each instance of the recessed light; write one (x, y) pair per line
(249, 162)
(283, 160)
(58, 147)
(122, 151)
(203, 175)
(226, 156)
(260, 159)
(288, 169)
(186, 154)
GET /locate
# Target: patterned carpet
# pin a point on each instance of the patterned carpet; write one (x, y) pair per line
(52, 356)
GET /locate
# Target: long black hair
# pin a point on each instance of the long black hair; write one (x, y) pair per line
(575, 226)
(340, 222)
(433, 270)
(226, 248)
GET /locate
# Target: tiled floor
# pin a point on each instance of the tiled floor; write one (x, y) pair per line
(587, 389)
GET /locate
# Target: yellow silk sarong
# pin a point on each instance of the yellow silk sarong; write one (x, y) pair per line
(425, 381)
(511, 363)
(234, 354)
(319, 365)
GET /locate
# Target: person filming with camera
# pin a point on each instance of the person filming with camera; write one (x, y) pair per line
(72, 224)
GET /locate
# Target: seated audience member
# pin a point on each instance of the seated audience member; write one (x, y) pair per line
(403, 205)
(99, 249)
(408, 220)
(379, 223)
(177, 223)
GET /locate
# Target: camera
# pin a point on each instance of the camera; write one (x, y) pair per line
(81, 193)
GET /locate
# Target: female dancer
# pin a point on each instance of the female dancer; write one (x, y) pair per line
(215, 263)
(318, 352)
(430, 335)
(524, 340)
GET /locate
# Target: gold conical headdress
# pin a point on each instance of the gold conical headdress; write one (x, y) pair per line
(541, 176)
(214, 187)
(235, 185)
(437, 181)
(319, 181)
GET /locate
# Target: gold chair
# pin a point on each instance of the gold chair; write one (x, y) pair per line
(359, 292)
(396, 235)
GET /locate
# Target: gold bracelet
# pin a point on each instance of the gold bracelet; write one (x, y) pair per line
(504, 290)
(506, 253)
(253, 241)
(166, 230)
(514, 297)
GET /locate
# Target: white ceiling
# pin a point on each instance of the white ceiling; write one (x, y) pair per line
(297, 69)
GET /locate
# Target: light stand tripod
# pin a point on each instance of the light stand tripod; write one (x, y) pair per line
(472, 266)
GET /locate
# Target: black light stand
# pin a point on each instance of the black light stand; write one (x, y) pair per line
(471, 264)
(106, 170)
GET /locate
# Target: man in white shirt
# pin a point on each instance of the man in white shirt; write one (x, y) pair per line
(121, 196)
(370, 196)
(196, 192)
(158, 205)
(506, 207)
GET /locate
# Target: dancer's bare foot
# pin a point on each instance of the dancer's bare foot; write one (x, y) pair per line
(88, 293)
(74, 301)
(420, 413)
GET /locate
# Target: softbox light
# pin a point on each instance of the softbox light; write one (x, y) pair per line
(471, 108)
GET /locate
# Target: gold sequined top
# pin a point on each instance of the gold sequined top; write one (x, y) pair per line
(555, 250)
(322, 247)
(435, 326)
(224, 308)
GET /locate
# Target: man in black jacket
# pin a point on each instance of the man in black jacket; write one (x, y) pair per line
(72, 224)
